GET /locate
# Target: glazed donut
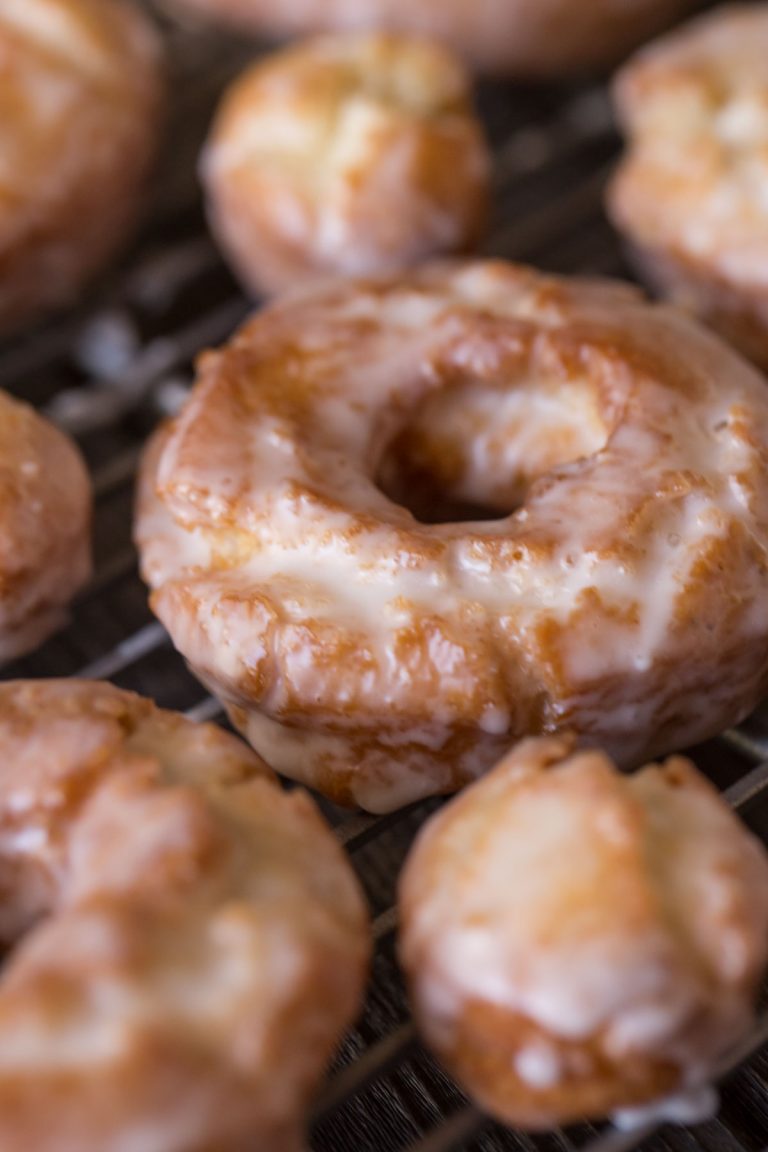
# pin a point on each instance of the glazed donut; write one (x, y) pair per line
(188, 940)
(45, 525)
(350, 155)
(79, 94)
(579, 942)
(523, 38)
(690, 195)
(621, 589)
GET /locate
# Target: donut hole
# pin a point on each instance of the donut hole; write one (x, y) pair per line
(472, 450)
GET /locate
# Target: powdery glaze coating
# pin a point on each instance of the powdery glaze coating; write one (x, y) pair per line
(79, 96)
(189, 941)
(382, 659)
(692, 193)
(45, 524)
(346, 155)
(524, 38)
(579, 941)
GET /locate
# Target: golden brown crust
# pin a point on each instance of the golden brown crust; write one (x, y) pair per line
(188, 940)
(524, 38)
(45, 525)
(689, 195)
(348, 155)
(382, 658)
(79, 97)
(578, 942)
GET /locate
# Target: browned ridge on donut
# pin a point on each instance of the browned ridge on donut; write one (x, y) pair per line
(622, 451)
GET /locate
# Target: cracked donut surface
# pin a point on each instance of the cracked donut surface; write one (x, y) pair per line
(45, 525)
(523, 38)
(622, 451)
(690, 196)
(346, 155)
(187, 941)
(578, 941)
(79, 101)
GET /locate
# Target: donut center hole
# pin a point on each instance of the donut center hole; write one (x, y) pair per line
(472, 451)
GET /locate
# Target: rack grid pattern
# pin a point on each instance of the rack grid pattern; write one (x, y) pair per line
(123, 360)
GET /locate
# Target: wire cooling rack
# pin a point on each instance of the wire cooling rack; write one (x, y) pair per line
(111, 369)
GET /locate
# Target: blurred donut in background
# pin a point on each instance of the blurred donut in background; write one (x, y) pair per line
(347, 155)
(45, 527)
(79, 114)
(691, 196)
(524, 38)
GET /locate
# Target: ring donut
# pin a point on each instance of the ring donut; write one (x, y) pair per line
(580, 942)
(522, 38)
(45, 525)
(620, 589)
(187, 940)
(690, 194)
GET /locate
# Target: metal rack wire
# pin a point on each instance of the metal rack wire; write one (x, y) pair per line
(109, 371)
